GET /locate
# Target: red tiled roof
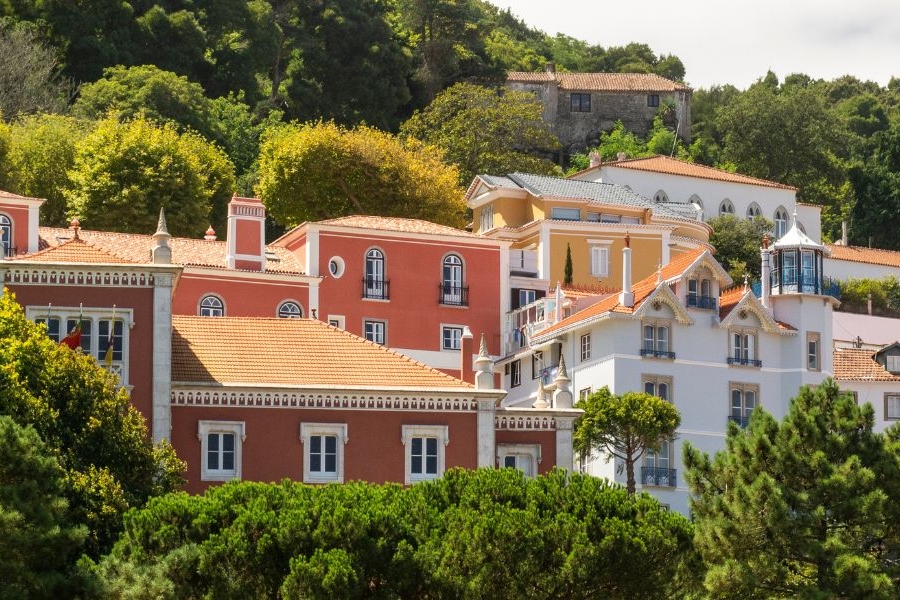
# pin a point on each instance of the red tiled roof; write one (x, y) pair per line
(729, 298)
(873, 256)
(76, 250)
(291, 352)
(135, 248)
(602, 82)
(10, 195)
(673, 166)
(398, 224)
(856, 364)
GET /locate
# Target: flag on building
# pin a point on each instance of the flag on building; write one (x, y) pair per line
(73, 340)
(111, 340)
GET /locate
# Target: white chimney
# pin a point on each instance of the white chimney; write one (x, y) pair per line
(766, 273)
(595, 159)
(626, 296)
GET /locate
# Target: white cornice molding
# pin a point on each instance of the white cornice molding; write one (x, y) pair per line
(104, 275)
(318, 399)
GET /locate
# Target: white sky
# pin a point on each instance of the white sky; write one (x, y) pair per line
(737, 41)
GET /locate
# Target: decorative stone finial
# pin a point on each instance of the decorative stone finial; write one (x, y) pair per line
(765, 241)
(627, 240)
(561, 373)
(210, 234)
(161, 224)
(74, 224)
(541, 400)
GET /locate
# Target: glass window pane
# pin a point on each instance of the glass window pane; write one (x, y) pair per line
(509, 461)
(431, 446)
(330, 463)
(228, 442)
(315, 444)
(431, 465)
(330, 444)
(315, 461)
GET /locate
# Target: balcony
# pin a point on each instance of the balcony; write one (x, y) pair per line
(795, 283)
(741, 420)
(375, 289)
(658, 476)
(9, 251)
(451, 295)
(702, 302)
(744, 362)
(649, 352)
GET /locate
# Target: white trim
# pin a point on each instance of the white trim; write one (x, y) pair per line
(533, 451)
(459, 340)
(339, 430)
(340, 321)
(236, 428)
(441, 433)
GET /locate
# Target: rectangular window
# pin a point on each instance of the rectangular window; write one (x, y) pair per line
(424, 448)
(323, 451)
(559, 213)
(892, 406)
(893, 363)
(220, 452)
(103, 331)
(580, 102)
(527, 297)
(375, 331)
(653, 100)
(52, 327)
(608, 218)
(583, 393)
(599, 261)
(487, 218)
(337, 321)
(592, 217)
(537, 364)
(742, 350)
(524, 457)
(586, 347)
(744, 398)
(220, 447)
(657, 469)
(813, 359)
(658, 385)
(656, 340)
(515, 373)
(451, 336)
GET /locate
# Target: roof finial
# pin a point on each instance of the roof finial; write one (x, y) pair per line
(746, 276)
(482, 349)
(210, 234)
(562, 368)
(161, 224)
(75, 226)
(658, 273)
(627, 240)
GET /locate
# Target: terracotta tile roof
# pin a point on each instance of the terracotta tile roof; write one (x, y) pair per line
(398, 224)
(729, 298)
(76, 250)
(673, 166)
(290, 352)
(602, 82)
(856, 364)
(12, 196)
(874, 256)
(135, 248)
(641, 291)
(576, 292)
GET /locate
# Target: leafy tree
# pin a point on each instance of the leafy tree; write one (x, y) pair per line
(624, 426)
(38, 543)
(42, 150)
(30, 80)
(471, 534)
(567, 272)
(86, 421)
(877, 187)
(484, 130)
(124, 173)
(737, 242)
(5, 166)
(800, 508)
(321, 171)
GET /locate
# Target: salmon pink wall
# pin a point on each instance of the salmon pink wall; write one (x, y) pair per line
(140, 339)
(547, 440)
(413, 269)
(19, 217)
(272, 449)
(242, 297)
(247, 239)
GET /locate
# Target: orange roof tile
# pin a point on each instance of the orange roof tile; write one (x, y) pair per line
(76, 250)
(874, 256)
(290, 352)
(729, 298)
(11, 196)
(398, 224)
(135, 248)
(856, 364)
(602, 82)
(673, 166)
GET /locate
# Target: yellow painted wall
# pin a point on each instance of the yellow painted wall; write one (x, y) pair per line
(646, 251)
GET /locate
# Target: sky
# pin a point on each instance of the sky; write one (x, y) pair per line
(737, 41)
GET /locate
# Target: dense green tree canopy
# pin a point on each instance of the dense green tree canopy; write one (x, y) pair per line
(482, 130)
(801, 508)
(876, 214)
(472, 534)
(30, 78)
(86, 422)
(624, 427)
(322, 171)
(737, 242)
(125, 172)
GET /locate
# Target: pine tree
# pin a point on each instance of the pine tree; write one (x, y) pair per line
(567, 275)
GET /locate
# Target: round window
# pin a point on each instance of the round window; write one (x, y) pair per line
(336, 266)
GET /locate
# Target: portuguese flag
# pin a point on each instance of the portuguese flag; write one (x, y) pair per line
(73, 340)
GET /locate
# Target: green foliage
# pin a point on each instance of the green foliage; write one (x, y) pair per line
(42, 151)
(30, 81)
(124, 173)
(5, 166)
(885, 294)
(800, 508)
(38, 542)
(482, 130)
(737, 242)
(567, 272)
(321, 171)
(472, 534)
(624, 426)
(97, 436)
(877, 188)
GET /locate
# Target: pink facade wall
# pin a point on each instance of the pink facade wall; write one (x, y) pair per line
(242, 297)
(547, 440)
(19, 217)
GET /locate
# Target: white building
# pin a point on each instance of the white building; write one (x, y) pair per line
(858, 262)
(682, 334)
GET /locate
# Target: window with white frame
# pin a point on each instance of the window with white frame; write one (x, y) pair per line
(560, 213)
(600, 261)
(658, 385)
(744, 398)
(424, 449)
(813, 351)
(657, 469)
(290, 310)
(375, 285)
(892, 406)
(221, 453)
(515, 373)
(726, 207)
(451, 337)
(583, 393)
(781, 221)
(527, 297)
(6, 236)
(487, 218)
(453, 290)
(338, 321)
(524, 457)
(211, 306)
(375, 331)
(323, 451)
(537, 363)
(585, 347)
(743, 348)
(656, 341)
(753, 211)
(892, 361)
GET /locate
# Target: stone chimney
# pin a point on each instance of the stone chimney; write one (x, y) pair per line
(484, 368)
(626, 296)
(161, 253)
(246, 234)
(466, 350)
(765, 285)
(844, 240)
(562, 395)
(596, 159)
(550, 67)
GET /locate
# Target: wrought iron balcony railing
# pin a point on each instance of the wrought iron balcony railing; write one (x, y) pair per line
(704, 302)
(375, 289)
(744, 362)
(452, 295)
(741, 420)
(657, 353)
(658, 476)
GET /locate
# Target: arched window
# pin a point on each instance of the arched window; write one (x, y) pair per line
(726, 208)
(374, 285)
(6, 236)
(660, 196)
(781, 220)
(290, 310)
(753, 211)
(452, 290)
(697, 203)
(212, 306)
